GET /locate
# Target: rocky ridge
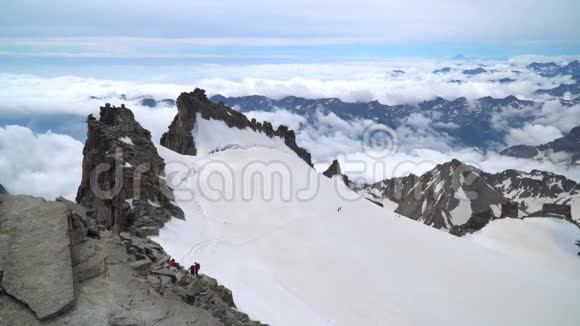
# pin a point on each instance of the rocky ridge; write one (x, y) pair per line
(432, 197)
(193, 105)
(91, 263)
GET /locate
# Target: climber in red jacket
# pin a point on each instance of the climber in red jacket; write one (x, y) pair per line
(172, 263)
(197, 267)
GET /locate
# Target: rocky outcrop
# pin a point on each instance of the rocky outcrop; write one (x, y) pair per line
(179, 138)
(91, 263)
(477, 222)
(3, 190)
(509, 210)
(334, 170)
(37, 269)
(151, 263)
(54, 272)
(555, 210)
(123, 185)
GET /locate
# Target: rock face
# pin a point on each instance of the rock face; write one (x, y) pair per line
(531, 190)
(509, 210)
(38, 264)
(334, 170)
(430, 198)
(564, 211)
(3, 190)
(452, 194)
(54, 272)
(179, 138)
(123, 185)
(562, 150)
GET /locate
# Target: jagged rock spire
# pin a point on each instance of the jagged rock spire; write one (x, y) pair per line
(122, 183)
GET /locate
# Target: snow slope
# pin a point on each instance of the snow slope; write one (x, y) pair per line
(548, 243)
(291, 258)
(214, 135)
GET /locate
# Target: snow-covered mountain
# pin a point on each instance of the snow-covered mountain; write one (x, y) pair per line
(552, 69)
(564, 150)
(297, 248)
(534, 189)
(458, 195)
(450, 195)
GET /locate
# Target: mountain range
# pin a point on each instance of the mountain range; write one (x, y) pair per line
(469, 123)
(456, 197)
(561, 150)
(243, 199)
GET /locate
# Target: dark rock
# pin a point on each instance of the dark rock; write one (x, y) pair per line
(122, 186)
(435, 195)
(334, 170)
(564, 211)
(509, 210)
(442, 70)
(477, 222)
(179, 138)
(475, 71)
(3, 190)
(506, 80)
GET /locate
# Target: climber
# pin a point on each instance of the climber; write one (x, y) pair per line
(197, 266)
(172, 263)
(192, 269)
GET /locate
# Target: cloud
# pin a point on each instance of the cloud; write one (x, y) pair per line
(28, 163)
(278, 117)
(414, 20)
(563, 118)
(46, 165)
(532, 134)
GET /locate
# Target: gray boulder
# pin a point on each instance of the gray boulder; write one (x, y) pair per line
(39, 273)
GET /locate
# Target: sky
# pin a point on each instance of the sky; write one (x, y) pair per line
(283, 31)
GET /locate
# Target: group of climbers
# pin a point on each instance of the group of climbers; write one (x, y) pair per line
(193, 269)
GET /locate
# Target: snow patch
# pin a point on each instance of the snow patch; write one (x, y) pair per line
(126, 140)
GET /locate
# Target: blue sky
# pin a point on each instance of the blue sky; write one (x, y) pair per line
(267, 31)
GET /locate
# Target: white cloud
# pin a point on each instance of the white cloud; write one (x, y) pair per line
(563, 118)
(46, 165)
(532, 134)
(419, 145)
(278, 117)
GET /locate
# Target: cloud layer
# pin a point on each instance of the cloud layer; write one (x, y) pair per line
(46, 165)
